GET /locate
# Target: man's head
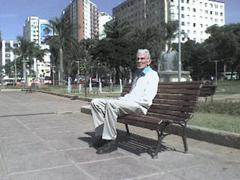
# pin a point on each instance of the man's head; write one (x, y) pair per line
(143, 58)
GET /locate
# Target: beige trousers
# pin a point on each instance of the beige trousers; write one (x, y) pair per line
(106, 111)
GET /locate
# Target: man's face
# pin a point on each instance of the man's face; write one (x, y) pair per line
(142, 60)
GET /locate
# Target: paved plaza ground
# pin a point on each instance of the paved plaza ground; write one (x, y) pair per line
(46, 137)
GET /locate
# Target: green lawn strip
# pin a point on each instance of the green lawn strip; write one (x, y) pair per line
(228, 87)
(217, 121)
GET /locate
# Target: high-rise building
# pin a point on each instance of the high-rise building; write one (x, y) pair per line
(7, 54)
(103, 19)
(195, 15)
(140, 13)
(38, 30)
(81, 16)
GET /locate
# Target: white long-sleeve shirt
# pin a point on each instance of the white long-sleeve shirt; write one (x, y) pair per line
(144, 88)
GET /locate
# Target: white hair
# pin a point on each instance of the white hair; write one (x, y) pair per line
(144, 51)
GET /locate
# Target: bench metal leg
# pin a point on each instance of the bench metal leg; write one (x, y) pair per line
(184, 138)
(160, 137)
(127, 129)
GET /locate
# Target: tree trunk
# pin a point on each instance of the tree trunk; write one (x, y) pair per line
(61, 66)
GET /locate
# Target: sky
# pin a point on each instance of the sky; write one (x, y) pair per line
(13, 13)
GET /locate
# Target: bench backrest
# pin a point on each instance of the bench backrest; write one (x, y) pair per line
(207, 90)
(175, 101)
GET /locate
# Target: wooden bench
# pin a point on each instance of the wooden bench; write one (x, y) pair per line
(173, 104)
(207, 89)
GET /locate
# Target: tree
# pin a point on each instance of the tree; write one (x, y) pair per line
(25, 52)
(224, 45)
(58, 42)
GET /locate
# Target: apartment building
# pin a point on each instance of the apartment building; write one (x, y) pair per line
(103, 19)
(7, 54)
(195, 15)
(81, 16)
(140, 13)
(39, 30)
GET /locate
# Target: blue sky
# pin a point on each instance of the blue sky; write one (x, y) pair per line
(14, 12)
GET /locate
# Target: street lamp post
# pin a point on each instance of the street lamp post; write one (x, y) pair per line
(24, 73)
(78, 81)
(179, 42)
(216, 67)
(15, 71)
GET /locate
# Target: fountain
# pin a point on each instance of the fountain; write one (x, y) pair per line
(168, 67)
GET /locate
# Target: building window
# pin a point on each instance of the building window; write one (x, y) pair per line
(194, 24)
(194, 9)
(183, 24)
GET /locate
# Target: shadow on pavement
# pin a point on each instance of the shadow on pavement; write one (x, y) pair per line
(132, 143)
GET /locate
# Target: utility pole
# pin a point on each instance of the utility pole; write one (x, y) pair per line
(24, 73)
(78, 81)
(15, 71)
(216, 68)
(179, 42)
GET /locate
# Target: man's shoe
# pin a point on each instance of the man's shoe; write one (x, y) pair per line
(99, 143)
(108, 147)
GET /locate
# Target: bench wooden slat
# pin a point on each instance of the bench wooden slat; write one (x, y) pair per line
(176, 91)
(169, 112)
(168, 116)
(176, 97)
(173, 102)
(182, 86)
(172, 108)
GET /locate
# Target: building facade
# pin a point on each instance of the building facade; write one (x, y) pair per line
(103, 19)
(39, 30)
(195, 15)
(140, 13)
(81, 16)
(7, 54)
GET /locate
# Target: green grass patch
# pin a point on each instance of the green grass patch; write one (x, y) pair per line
(217, 121)
(228, 87)
(221, 107)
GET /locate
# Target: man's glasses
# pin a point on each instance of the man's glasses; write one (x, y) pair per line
(142, 58)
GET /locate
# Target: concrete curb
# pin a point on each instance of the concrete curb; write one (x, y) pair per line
(204, 134)
(72, 97)
(10, 90)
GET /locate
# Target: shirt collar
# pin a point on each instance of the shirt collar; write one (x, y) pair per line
(143, 72)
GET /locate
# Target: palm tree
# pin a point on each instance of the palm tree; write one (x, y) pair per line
(58, 41)
(26, 51)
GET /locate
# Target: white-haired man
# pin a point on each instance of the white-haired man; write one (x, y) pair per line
(106, 111)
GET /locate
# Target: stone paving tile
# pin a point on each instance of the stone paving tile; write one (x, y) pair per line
(17, 150)
(35, 161)
(19, 139)
(89, 155)
(170, 160)
(214, 170)
(160, 176)
(61, 173)
(2, 167)
(68, 142)
(118, 168)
